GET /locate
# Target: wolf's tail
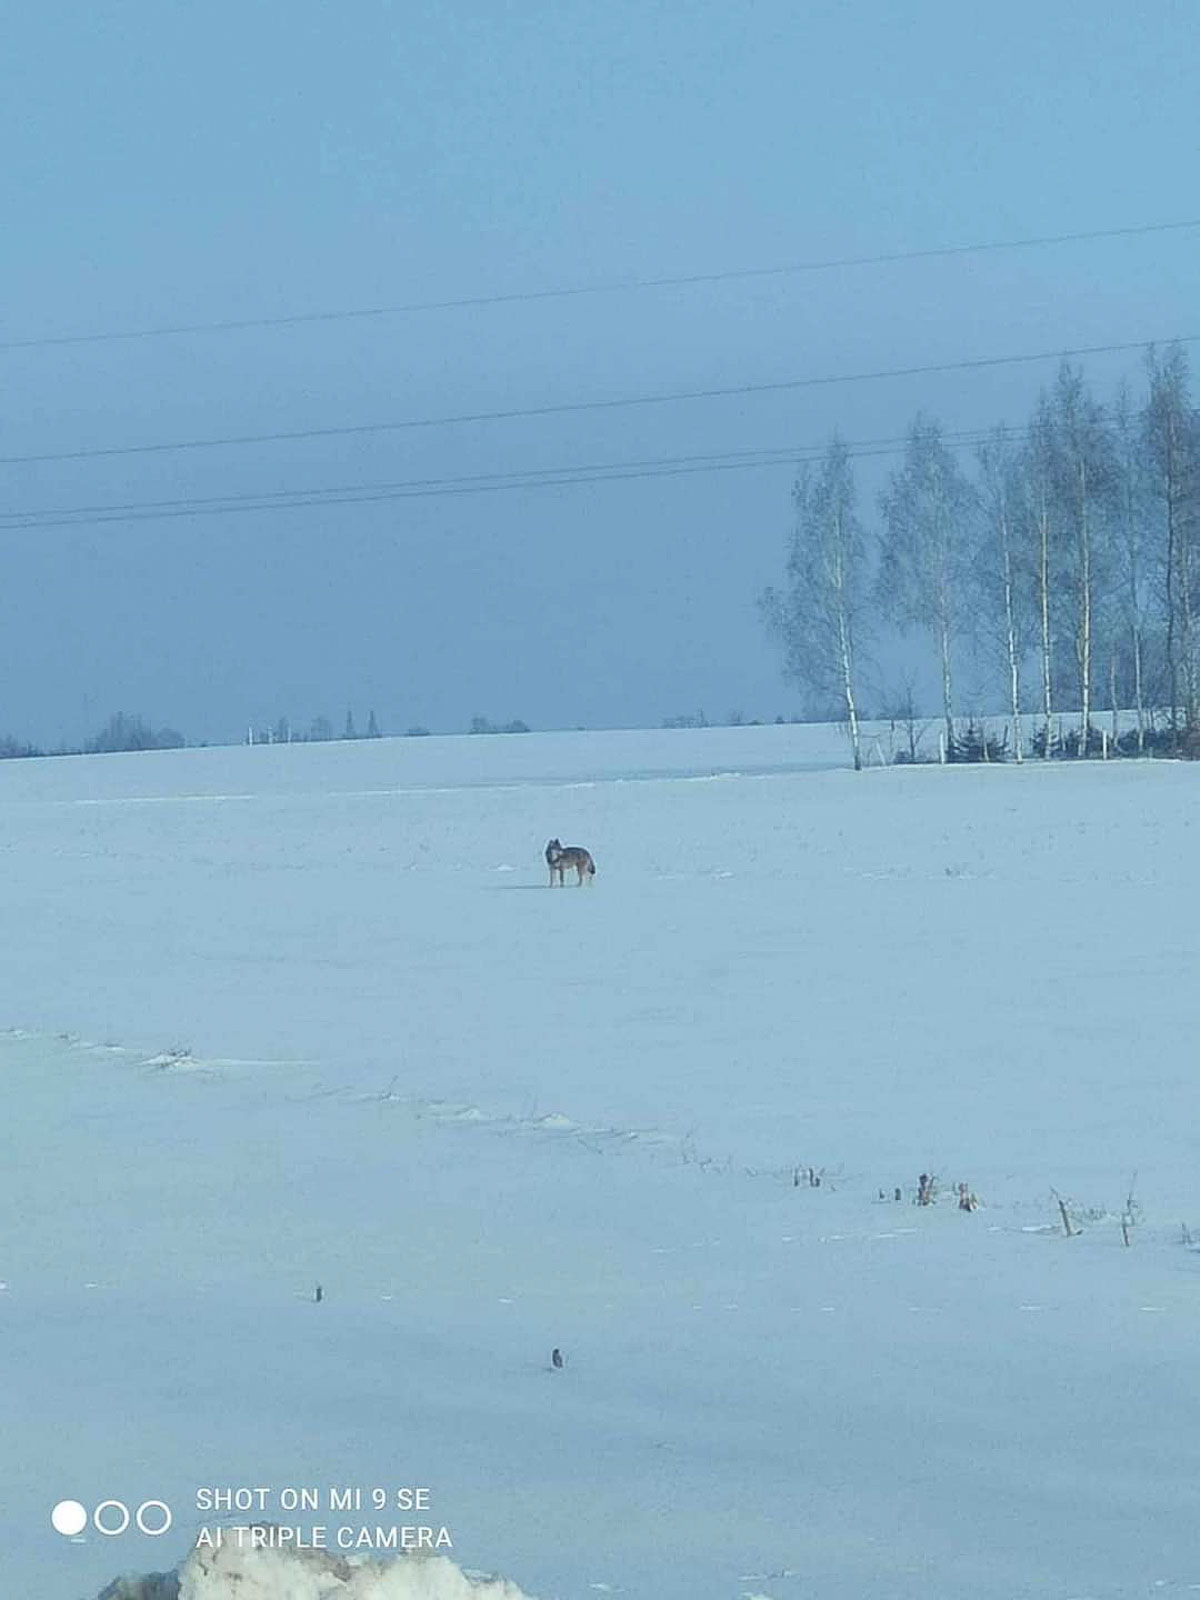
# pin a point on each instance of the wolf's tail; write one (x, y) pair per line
(591, 869)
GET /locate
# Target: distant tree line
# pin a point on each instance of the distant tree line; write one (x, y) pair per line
(1065, 557)
(483, 725)
(124, 732)
(319, 731)
(731, 719)
(120, 732)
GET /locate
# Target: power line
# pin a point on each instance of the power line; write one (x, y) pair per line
(426, 488)
(343, 493)
(613, 286)
(563, 408)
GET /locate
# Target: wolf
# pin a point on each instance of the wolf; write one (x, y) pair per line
(559, 857)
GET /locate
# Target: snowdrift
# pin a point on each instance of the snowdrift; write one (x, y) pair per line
(233, 1574)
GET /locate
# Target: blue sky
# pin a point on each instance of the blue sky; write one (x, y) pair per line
(168, 163)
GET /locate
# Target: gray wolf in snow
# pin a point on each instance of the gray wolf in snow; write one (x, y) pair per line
(560, 857)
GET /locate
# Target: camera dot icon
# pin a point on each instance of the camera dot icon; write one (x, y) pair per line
(68, 1518)
(112, 1518)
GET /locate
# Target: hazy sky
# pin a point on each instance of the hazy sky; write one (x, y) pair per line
(168, 162)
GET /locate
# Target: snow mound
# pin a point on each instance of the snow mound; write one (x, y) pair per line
(230, 1573)
(158, 1586)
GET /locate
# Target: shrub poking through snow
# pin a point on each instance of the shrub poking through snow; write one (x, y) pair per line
(1066, 742)
(975, 743)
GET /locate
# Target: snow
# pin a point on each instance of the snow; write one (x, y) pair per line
(233, 1573)
(282, 1017)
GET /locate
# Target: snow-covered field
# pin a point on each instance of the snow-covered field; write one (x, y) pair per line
(288, 1016)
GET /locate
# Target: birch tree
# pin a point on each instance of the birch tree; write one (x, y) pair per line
(1084, 479)
(1132, 557)
(926, 510)
(1001, 573)
(1170, 442)
(1037, 477)
(819, 614)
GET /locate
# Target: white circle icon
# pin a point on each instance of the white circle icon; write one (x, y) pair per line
(68, 1518)
(164, 1522)
(122, 1518)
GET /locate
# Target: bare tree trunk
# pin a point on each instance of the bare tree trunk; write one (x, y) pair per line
(1168, 422)
(1186, 633)
(1135, 641)
(1172, 656)
(1044, 607)
(947, 696)
(1133, 543)
(1010, 639)
(845, 640)
(847, 662)
(1014, 681)
(1085, 611)
(1112, 694)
